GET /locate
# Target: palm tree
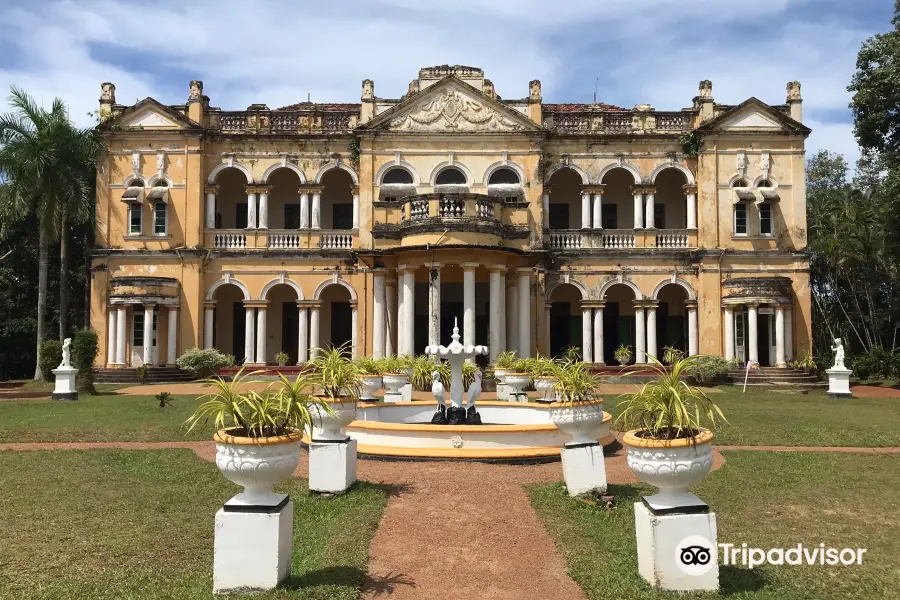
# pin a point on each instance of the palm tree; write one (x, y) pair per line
(46, 167)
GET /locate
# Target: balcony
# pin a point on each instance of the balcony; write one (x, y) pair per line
(564, 240)
(281, 239)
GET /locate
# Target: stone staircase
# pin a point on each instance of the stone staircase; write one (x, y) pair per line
(771, 376)
(154, 375)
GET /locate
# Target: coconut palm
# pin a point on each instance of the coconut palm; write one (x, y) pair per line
(47, 169)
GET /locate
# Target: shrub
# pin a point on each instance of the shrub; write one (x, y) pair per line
(203, 362)
(571, 354)
(423, 367)
(505, 360)
(705, 369)
(85, 348)
(164, 399)
(369, 366)
(390, 364)
(51, 356)
(876, 363)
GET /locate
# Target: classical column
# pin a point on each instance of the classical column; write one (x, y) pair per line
(317, 208)
(211, 206)
(512, 318)
(355, 192)
(524, 311)
(408, 319)
(788, 333)
(302, 334)
(729, 333)
(495, 320)
(261, 335)
(390, 294)
(264, 208)
(111, 336)
(172, 340)
(585, 210)
(547, 306)
(354, 333)
(378, 315)
(313, 330)
(640, 334)
(251, 208)
(304, 209)
(779, 338)
(469, 305)
(638, 209)
(401, 315)
(587, 335)
(598, 334)
(434, 303)
(690, 195)
(249, 334)
(598, 210)
(148, 334)
(546, 198)
(121, 331)
(693, 333)
(208, 323)
(752, 333)
(649, 221)
(651, 331)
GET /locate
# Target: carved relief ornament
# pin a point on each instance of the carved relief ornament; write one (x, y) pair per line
(452, 110)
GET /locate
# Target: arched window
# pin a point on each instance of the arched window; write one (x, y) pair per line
(161, 183)
(136, 183)
(397, 175)
(504, 176)
(450, 176)
(739, 183)
(764, 183)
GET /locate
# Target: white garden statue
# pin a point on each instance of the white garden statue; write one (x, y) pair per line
(838, 350)
(65, 374)
(66, 353)
(839, 375)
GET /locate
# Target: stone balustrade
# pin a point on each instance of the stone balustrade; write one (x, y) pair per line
(599, 121)
(672, 238)
(281, 239)
(225, 239)
(565, 239)
(649, 239)
(336, 241)
(618, 238)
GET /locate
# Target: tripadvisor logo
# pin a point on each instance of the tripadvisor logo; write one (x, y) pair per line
(695, 555)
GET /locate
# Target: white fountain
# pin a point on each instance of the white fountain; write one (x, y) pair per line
(456, 354)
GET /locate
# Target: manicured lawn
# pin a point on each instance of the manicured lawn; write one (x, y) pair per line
(112, 524)
(789, 418)
(766, 499)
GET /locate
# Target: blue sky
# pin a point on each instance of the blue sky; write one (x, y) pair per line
(641, 51)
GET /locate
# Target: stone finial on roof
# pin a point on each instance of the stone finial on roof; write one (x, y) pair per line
(793, 91)
(705, 90)
(107, 93)
(196, 93)
(534, 90)
(368, 89)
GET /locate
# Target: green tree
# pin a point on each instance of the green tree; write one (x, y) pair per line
(47, 170)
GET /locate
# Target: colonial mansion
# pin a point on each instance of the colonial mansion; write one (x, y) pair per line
(381, 223)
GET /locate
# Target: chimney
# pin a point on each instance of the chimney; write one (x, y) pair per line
(795, 101)
(705, 100)
(107, 99)
(195, 102)
(367, 110)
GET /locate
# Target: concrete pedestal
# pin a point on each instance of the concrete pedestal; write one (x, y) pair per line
(406, 392)
(502, 392)
(838, 383)
(677, 551)
(65, 383)
(253, 546)
(392, 397)
(332, 466)
(584, 468)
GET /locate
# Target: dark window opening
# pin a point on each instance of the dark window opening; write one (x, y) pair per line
(450, 176)
(292, 216)
(342, 216)
(659, 216)
(608, 216)
(765, 219)
(559, 216)
(740, 183)
(397, 175)
(740, 218)
(501, 176)
(240, 215)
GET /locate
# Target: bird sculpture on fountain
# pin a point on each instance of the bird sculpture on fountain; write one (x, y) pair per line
(437, 388)
(472, 416)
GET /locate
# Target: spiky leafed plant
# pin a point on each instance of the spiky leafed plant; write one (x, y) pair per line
(668, 407)
(48, 169)
(576, 384)
(335, 373)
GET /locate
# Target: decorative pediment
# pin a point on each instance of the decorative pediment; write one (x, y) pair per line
(752, 120)
(150, 114)
(451, 106)
(150, 118)
(754, 116)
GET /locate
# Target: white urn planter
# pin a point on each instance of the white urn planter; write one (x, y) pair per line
(370, 385)
(545, 386)
(500, 378)
(578, 421)
(673, 466)
(257, 464)
(394, 382)
(584, 467)
(330, 427)
(516, 382)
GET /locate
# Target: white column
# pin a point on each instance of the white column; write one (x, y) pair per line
(788, 333)
(598, 335)
(409, 311)
(354, 334)
(512, 319)
(121, 330)
(692, 210)
(378, 316)
(585, 211)
(264, 210)
(210, 209)
(598, 212)
(172, 340)
(261, 335)
(111, 336)
(640, 335)
(693, 333)
(304, 210)
(546, 199)
(495, 317)
(313, 330)
(303, 335)
(148, 335)
(434, 303)
(208, 321)
(587, 335)
(356, 209)
(524, 311)
(251, 210)
(752, 334)
(648, 215)
(390, 294)
(469, 306)
(651, 332)
(638, 210)
(779, 337)
(501, 347)
(401, 315)
(249, 335)
(729, 333)
(317, 210)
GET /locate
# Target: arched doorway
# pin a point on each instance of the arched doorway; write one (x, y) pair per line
(282, 324)
(618, 322)
(231, 199)
(566, 323)
(672, 319)
(229, 320)
(284, 199)
(337, 317)
(565, 200)
(617, 209)
(337, 200)
(669, 205)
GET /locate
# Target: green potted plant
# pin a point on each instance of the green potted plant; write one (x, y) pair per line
(578, 411)
(517, 378)
(668, 446)
(671, 355)
(256, 434)
(393, 375)
(338, 380)
(282, 358)
(370, 377)
(544, 373)
(623, 355)
(503, 364)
